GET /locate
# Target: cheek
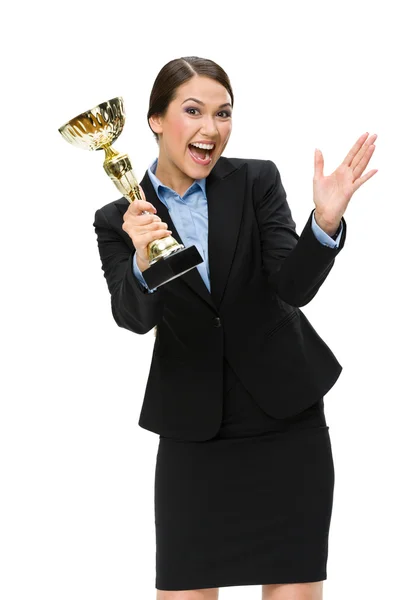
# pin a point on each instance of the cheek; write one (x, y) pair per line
(180, 128)
(226, 131)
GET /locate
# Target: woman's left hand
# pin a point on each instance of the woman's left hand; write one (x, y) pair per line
(332, 194)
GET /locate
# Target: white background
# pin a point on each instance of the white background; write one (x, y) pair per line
(77, 472)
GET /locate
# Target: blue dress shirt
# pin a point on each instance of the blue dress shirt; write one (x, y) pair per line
(189, 214)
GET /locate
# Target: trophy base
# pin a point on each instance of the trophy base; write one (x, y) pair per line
(172, 266)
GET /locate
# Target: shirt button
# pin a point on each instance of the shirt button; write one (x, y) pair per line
(216, 322)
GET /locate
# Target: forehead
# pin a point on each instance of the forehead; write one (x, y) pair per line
(205, 89)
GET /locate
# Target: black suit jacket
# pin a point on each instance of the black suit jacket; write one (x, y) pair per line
(261, 272)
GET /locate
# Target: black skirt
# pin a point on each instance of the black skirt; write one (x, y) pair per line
(250, 506)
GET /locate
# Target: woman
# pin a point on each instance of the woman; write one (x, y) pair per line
(244, 475)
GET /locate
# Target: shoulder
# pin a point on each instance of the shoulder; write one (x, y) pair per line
(112, 212)
(255, 167)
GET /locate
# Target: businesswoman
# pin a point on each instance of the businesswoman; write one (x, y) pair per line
(244, 475)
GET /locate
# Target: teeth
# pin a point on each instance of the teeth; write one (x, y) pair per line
(204, 146)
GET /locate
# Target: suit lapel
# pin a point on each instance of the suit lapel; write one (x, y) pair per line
(225, 190)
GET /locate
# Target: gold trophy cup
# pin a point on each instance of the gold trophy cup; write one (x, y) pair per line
(97, 129)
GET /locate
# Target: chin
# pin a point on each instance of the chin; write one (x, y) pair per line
(195, 172)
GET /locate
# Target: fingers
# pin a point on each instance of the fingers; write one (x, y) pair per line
(364, 153)
(361, 165)
(362, 180)
(143, 227)
(140, 228)
(358, 158)
(140, 224)
(142, 241)
(139, 206)
(355, 149)
(143, 218)
(142, 238)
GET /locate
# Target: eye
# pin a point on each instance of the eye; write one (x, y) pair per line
(188, 109)
(225, 113)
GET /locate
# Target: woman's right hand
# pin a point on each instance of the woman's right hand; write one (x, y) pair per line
(143, 228)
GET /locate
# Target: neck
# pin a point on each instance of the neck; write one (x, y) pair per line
(173, 177)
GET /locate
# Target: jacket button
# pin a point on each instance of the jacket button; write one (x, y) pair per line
(216, 322)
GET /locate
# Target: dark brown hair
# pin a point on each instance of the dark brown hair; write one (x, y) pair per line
(176, 72)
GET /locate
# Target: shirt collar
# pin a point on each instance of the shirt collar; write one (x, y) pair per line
(157, 183)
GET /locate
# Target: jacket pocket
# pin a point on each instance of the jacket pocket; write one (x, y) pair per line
(287, 319)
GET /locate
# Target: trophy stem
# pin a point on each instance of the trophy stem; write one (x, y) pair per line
(110, 152)
(118, 167)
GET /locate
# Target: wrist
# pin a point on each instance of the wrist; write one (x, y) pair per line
(329, 226)
(142, 265)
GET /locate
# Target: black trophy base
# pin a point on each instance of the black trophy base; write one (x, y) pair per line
(172, 266)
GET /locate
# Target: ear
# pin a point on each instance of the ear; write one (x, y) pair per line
(156, 123)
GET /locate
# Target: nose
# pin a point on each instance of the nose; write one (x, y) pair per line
(209, 128)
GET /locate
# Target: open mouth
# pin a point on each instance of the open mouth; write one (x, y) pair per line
(201, 153)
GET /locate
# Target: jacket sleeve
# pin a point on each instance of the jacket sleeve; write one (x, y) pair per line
(139, 275)
(133, 308)
(295, 266)
(323, 237)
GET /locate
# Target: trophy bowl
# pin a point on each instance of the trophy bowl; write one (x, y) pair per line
(97, 128)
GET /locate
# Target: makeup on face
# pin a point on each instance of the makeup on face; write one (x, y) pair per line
(194, 130)
(201, 150)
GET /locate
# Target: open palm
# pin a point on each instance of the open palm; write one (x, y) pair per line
(332, 194)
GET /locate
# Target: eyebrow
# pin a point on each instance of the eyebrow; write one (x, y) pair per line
(203, 104)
